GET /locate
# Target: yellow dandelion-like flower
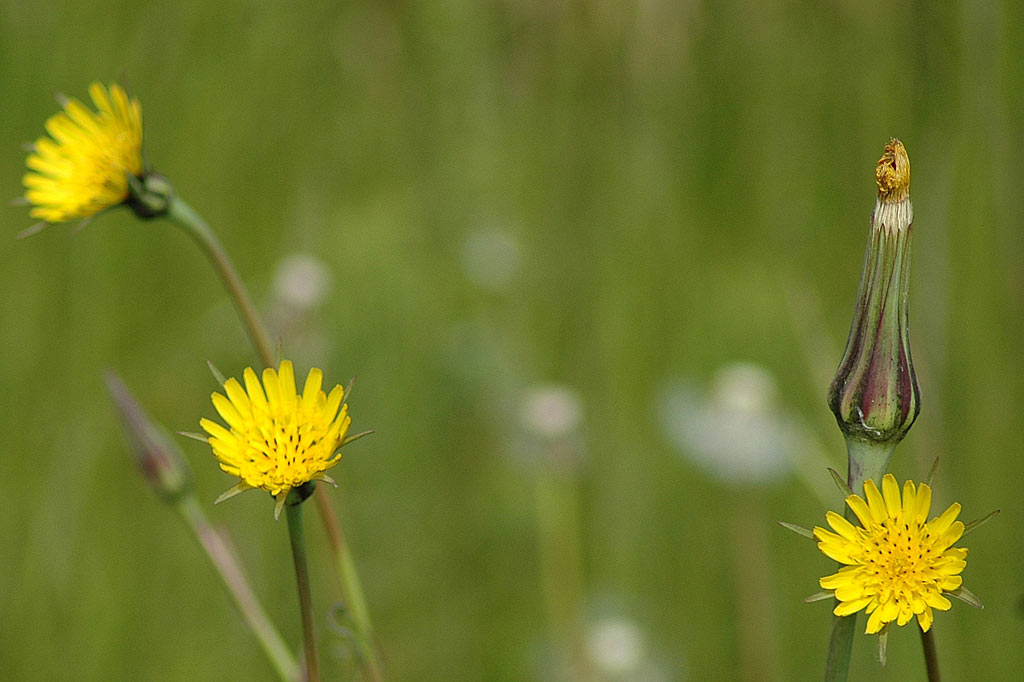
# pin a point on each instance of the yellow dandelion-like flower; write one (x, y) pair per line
(898, 564)
(277, 440)
(82, 168)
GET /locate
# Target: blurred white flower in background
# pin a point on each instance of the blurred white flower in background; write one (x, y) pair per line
(301, 282)
(736, 432)
(551, 411)
(551, 424)
(617, 651)
(300, 285)
(616, 646)
(490, 258)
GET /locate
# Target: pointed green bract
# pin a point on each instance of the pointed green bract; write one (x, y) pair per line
(239, 487)
(799, 530)
(217, 374)
(968, 527)
(967, 597)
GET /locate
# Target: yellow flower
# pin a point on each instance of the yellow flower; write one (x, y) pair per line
(898, 564)
(83, 167)
(277, 440)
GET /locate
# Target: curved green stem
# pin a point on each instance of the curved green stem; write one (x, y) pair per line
(227, 566)
(294, 512)
(351, 587)
(196, 227)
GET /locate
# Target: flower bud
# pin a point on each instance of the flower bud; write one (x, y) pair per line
(160, 461)
(874, 394)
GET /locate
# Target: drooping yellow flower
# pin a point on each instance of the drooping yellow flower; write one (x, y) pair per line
(898, 564)
(277, 440)
(82, 168)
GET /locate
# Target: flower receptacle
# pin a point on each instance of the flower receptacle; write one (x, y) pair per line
(150, 195)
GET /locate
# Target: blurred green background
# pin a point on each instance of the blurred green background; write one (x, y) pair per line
(616, 198)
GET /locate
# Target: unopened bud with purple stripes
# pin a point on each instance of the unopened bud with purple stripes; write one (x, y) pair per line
(874, 395)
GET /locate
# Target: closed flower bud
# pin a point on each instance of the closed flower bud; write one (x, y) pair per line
(160, 461)
(874, 394)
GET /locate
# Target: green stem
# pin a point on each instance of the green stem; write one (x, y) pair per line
(867, 460)
(226, 563)
(294, 512)
(753, 588)
(196, 227)
(559, 558)
(352, 589)
(931, 657)
(840, 646)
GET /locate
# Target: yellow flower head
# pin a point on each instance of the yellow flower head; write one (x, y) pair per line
(898, 564)
(83, 167)
(278, 440)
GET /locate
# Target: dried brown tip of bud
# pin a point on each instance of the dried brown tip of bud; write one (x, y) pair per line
(892, 174)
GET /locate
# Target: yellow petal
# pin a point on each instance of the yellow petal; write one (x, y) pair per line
(99, 97)
(238, 398)
(950, 583)
(823, 535)
(909, 501)
(850, 608)
(876, 505)
(836, 552)
(891, 495)
(852, 592)
(938, 525)
(122, 108)
(215, 429)
(937, 601)
(860, 508)
(924, 503)
(924, 619)
(272, 387)
(311, 391)
(841, 525)
(286, 384)
(875, 622)
(84, 118)
(334, 401)
(255, 391)
(227, 410)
